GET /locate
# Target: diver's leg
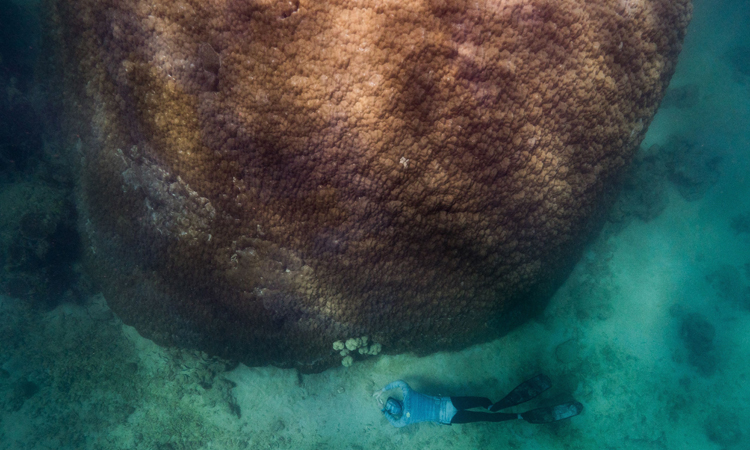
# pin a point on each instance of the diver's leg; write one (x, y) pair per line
(474, 416)
(461, 403)
(524, 392)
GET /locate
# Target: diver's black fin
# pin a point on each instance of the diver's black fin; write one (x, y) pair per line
(524, 392)
(553, 413)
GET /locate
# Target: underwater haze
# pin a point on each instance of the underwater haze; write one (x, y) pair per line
(651, 331)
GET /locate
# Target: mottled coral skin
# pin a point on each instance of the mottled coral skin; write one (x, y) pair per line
(422, 172)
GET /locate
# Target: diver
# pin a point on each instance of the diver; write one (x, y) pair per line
(416, 407)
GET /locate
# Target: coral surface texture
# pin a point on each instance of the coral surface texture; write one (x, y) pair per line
(260, 179)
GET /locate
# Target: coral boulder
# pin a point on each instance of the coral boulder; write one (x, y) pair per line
(260, 179)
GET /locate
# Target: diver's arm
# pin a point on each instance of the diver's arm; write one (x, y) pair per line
(398, 384)
(394, 385)
(398, 423)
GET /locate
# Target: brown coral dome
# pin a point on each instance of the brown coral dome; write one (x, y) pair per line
(262, 178)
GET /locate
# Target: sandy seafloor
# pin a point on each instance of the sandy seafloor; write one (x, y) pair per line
(651, 333)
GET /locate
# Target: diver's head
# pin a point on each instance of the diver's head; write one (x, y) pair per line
(393, 406)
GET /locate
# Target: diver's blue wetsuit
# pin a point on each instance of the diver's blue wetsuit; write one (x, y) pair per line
(420, 408)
